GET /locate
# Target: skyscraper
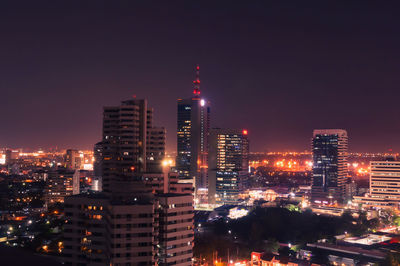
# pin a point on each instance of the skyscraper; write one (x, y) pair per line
(192, 137)
(129, 147)
(329, 147)
(228, 165)
(121, 226)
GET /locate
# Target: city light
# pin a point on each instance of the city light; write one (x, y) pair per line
(174, 177)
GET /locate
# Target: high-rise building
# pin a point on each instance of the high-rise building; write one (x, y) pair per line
(73, 159)
(155, 149)
(143, 230)
(329, 147)
(128, 143)
(85, 233)
(384, 183)
(135, 189)
(192, 137)
(61, 182)
(175, 235)
(228, 165)
(98, 155)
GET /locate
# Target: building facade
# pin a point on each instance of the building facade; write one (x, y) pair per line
(121, 225)
(175, 235)
(228, 165)
(61, 182)
(98, 155)
(193, 124)
(73, 159)
(329, 148)
(384, 185)
(128, 143)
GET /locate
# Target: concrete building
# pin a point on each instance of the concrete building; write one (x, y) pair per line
(176, 236)
(61, 183)
(73, 159)
(167, 182)
(85, 232)
(145, 230)
(155, 149)
(228, 165)
(329, 147)
(98, 155)
(192, 137)
(126, 145)
(132, 232)
(134, 184)
(384, 182)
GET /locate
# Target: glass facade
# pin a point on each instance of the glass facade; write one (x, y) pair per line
(229, 164)
(184, 139)
(329, 166)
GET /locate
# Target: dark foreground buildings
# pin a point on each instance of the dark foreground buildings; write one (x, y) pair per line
(144, 216)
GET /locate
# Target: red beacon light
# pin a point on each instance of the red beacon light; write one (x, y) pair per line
(245, 132)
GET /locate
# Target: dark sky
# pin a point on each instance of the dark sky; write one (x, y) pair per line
(278, 68)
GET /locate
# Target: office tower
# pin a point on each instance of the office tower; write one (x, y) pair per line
(127, 149)
(73, 159)
(98, 155)
(85, 232)
(228, 165)
(384, 183)
(155, 149)
(61, 183)
(329, 147)
(132, 238)
(175, 237)
(129, 207)
(192, 137)
(142, 230)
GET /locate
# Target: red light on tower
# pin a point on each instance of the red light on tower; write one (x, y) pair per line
(245, 132)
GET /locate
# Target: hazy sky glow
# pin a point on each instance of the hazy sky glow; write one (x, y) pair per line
(277, 68)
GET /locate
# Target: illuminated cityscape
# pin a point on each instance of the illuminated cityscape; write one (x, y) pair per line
(115, 151)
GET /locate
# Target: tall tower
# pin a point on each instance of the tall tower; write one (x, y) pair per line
(329, 148)
(131, 145)
(228, 165)
(192, 137)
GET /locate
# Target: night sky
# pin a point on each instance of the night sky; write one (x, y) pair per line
(277, 68)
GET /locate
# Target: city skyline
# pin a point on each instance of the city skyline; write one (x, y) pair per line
(199, 133)
(279, 67)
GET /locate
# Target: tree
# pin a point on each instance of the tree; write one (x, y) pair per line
(271, 246)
